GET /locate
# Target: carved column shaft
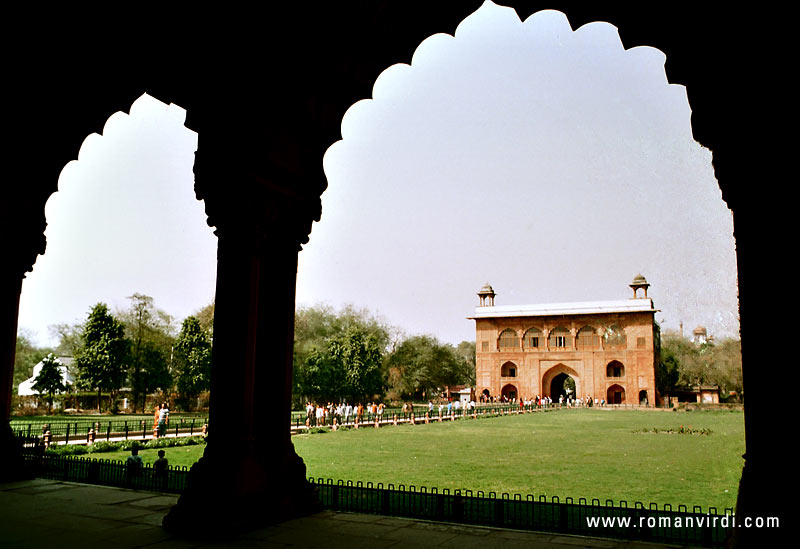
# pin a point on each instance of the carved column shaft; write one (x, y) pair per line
(250, 472)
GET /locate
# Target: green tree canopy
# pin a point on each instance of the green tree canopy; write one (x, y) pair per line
(710, 363)
(192, 360)
(150, 332)
(102, 359)
(50, 379)
(318, 373)
(421, 365)
(346, 366)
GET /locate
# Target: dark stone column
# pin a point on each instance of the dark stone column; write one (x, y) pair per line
(11, 464)
(21, 241)
(250, 473)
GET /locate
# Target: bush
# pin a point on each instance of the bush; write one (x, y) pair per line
(125, 445)
(68, 450)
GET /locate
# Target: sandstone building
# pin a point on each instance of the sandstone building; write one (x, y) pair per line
(608, 348)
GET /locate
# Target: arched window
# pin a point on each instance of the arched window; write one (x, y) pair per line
(614, 338)
(560, 338)
(534, 339)
(509, 369)
(587, 339)
(615, 394)
(509, 392)
(615, 368)
(508, 340)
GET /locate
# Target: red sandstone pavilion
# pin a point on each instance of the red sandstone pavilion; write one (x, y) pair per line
(608, 348)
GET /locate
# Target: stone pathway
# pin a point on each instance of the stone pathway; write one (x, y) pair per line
(46, 513)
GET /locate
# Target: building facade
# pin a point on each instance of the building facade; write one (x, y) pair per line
(607, 348)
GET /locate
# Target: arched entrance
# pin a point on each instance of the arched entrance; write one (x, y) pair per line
(555, 382)
(509, 392)
(562, 385)
(615, 394)
(643, 400)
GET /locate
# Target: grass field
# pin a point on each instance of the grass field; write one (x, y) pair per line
(590, 453)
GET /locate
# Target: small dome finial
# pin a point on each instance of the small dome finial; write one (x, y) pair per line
(639, 281)
(486, 295)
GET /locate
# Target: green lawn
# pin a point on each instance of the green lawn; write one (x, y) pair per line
(588, 453)
(178, 456)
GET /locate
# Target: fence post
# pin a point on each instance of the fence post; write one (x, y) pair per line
(66, 440)
(498, 512)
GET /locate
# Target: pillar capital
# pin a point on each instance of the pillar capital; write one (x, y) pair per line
(255, 208)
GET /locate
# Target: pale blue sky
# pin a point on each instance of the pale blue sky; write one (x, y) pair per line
(553, 164)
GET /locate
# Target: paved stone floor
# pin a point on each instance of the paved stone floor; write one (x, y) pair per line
(47, 513)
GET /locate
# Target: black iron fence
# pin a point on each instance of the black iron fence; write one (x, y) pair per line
(107, 472)
(90, 430)
(300, 421)
(568, 516)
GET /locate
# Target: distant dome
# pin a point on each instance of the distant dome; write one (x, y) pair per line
(639, 280)
(486, 289)
(699, 330)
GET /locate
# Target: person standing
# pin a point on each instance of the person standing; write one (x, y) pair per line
(163, 419)
(160, 470)
(133, 466)
(156, 415)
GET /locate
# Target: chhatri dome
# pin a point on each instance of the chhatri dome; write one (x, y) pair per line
(639, 282)
(486, 296)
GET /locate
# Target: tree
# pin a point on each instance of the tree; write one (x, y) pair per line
(102, 358)
(667, 372)
(726, 367)
(50, 379)
(421, 365)
(70, 338)
(206, 318)
(716, 363)
(193, 360)
(315, 374)
(150, 333)
(466, 350)
(357, 354)
(26, 356)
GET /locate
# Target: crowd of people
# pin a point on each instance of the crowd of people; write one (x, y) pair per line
(346, 413)
(544, 401)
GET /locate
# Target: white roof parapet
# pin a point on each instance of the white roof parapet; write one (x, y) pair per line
(555, 309)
